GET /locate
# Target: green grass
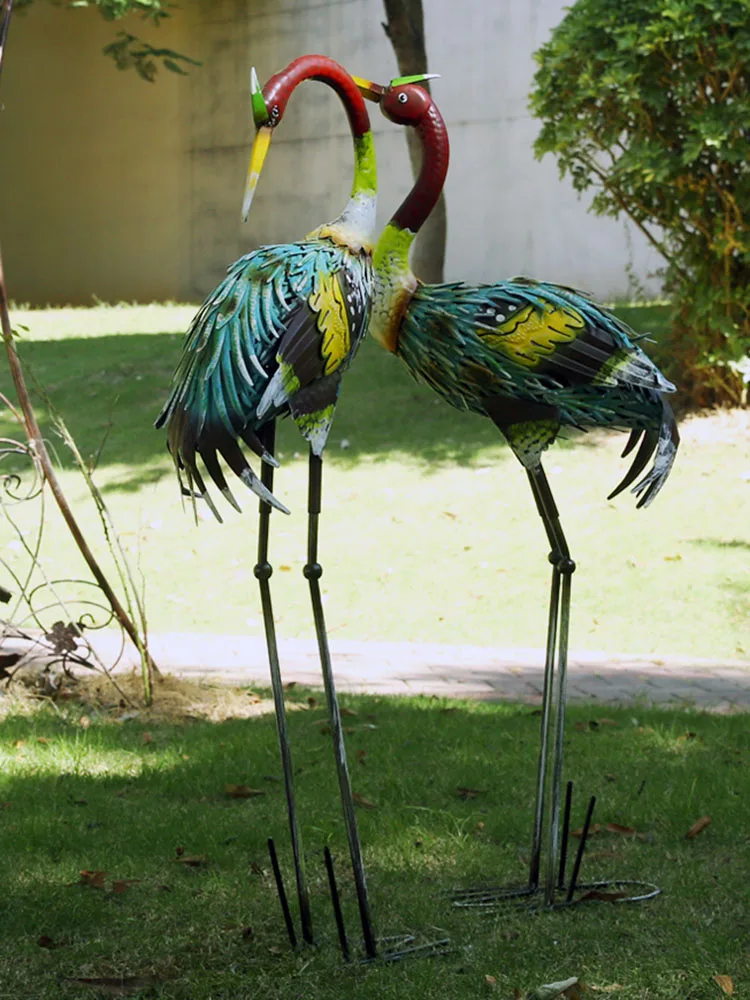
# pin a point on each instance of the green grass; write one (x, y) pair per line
(429, 532)
(102, 798)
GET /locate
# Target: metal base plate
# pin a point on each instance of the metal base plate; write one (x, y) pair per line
(522, 897)
(399, 946)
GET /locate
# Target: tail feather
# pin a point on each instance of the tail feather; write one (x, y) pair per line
(187, 440)
(275, 395)
(632, 441)
(644, 453)
(662, 444)
(215, 472)
(184, 459)
(236, 461)
(666, 451)
(252, 440)
(194, 476)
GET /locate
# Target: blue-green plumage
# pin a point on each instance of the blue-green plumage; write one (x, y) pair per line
(535, 356)
(263, 320)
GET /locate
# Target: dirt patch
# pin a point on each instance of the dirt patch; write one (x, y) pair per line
(174, 698)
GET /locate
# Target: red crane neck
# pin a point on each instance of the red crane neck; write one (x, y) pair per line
(421, 200)
(280, 87)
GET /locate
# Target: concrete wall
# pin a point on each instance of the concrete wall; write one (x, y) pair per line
(93, 176)
(113, 187)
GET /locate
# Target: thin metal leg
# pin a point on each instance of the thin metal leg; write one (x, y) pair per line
(557, 650)
(553, 706)
(549, 669)
(557, 750)
(581, 849)
(263, 571)
(565, 834)
(554, 699)
(313, 572)
(338, 915)
(282, 893)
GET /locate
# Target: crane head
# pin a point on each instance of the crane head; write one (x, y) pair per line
(376, 93)
(261, 143)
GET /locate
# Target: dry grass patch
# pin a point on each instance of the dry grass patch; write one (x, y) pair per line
(174, 699)
(121, 699)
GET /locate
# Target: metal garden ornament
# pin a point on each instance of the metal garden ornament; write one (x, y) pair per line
(533, 357)
(274, 339)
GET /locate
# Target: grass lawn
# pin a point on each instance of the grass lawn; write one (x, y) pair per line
(125, 798)
(429, 531)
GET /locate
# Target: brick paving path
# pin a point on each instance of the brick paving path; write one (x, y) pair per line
(457, 671)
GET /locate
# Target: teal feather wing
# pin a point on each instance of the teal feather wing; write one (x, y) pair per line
(318, 346)
(231, 355)
(563, 333)
(532, 344)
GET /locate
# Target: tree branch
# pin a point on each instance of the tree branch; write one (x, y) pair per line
(612, 190)
(36, 440)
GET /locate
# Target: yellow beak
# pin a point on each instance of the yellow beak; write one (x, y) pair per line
(257, 156)
(369, 90)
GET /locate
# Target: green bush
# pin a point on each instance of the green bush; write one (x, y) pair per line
(647, 102)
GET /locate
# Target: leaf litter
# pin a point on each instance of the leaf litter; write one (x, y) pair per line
(698, 827)
(242, 792)
(725, 984)
(116, 986)
(360, 800)
(571, 989)
(469, 793)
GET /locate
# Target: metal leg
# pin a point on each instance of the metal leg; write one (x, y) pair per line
(313, 572)
(553, 706)
(336, 902)
(563, 568)
(565, 835)
(581, 849)
(263, 571)
(557, 750)
(549, 669)
(282, 893)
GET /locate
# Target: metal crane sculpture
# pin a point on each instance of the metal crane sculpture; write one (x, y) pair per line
(274, 338)
(533, 357)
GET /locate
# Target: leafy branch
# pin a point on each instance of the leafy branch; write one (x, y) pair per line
(647, 102)
(128, 51)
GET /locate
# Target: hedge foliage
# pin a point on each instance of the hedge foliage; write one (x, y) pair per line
(647, 102)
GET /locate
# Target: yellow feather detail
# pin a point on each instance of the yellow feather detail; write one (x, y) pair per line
(530, 336)
(342, 237)
(327, 300)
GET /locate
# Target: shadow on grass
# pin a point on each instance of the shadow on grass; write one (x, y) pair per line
(107, 799)
(406, 754)
(110, 389)
(720, 543)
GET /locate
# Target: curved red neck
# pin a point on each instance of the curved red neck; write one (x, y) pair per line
(279, 88)
(420, 201)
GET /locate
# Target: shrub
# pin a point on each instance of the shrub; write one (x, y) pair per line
(647, 102)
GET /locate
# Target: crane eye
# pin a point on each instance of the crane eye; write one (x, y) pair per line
(402, 98)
